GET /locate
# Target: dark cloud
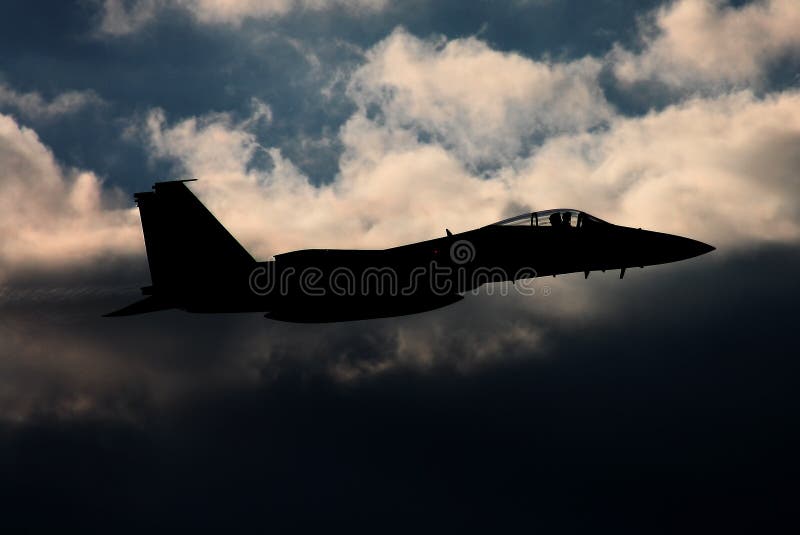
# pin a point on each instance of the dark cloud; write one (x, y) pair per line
(662, 402)
(671, 407)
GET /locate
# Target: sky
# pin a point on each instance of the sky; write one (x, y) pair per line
(665, 401)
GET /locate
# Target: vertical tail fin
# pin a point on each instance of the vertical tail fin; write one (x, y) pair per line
(185, 243)
(194, 261)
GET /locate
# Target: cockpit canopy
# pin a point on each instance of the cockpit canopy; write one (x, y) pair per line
(559, 217)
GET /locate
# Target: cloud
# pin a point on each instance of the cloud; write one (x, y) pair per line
(233, 12)
(391, 189)
(721, 169)
(34, 107)
(118, 18)
(51, 216)
(393, 186)
(631, 406)
(484, 104)
(121, 18)
(704, 43)
(61, 360)
(607, 403)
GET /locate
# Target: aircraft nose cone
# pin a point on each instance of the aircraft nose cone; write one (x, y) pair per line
(692, 248)
(658, 248)
(706, 248)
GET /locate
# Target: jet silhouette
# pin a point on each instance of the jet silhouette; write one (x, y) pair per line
(197, 266)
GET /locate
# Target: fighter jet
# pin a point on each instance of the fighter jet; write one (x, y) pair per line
(197, 266)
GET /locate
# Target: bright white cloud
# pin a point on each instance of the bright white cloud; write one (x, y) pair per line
(121, 18)
(723, 170)
(695, 43)
(482, 103)
(720, 169)
(51, 216)
(34, 106)
(694, 168)
(392, 189)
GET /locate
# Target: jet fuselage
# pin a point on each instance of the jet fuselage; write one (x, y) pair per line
(196, 265)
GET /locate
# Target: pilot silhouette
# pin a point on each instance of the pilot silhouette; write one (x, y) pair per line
(555, 220)
(566, 217)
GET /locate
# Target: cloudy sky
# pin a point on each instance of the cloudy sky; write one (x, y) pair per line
(664, 401)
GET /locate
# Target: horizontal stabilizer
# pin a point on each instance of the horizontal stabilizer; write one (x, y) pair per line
(148, 304)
